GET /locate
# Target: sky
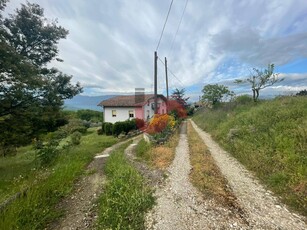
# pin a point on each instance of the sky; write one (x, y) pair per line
(111, 43)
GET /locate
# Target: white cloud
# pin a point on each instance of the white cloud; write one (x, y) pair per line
(111, 43)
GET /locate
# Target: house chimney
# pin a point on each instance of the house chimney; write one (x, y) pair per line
(139, 95)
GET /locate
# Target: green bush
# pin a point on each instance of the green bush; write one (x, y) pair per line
(76, 138)
(108, 128)
(47, 152)
(244, 99)
(123, 127)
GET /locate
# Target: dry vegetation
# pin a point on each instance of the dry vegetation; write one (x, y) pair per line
(158, 156)
(205, 175)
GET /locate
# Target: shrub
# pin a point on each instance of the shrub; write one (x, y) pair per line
(158, 123)
(118, 127)
(108, 128)
(123, 127)
(140, 123)
(244, 99)
(48, 152)
(75, 138)
(100, 131)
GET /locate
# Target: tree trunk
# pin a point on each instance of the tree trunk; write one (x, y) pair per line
(254, 95)
(257, 94)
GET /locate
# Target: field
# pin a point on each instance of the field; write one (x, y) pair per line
(45, 186)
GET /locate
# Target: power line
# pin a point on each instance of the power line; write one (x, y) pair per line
(169, 10)
(186, 3)
(171, 72)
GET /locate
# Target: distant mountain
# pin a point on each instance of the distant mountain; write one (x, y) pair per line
(85, 102)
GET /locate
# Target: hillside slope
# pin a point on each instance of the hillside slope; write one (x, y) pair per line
(269, 138)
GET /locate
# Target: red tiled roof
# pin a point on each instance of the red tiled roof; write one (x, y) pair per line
(128, 101)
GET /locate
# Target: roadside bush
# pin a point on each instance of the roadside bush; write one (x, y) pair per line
(76, 138)
(118, 127)
(158, 123)
(48, 152)
(140, 123)
(108, 128)
(123, 127)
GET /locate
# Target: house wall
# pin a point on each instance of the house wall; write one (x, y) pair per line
(122, 114)
(139, 113)
(149, 112)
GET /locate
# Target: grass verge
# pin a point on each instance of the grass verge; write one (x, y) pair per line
(126, 198)
(270, 139)
(205, 175)
(37, 208)
(158, 156)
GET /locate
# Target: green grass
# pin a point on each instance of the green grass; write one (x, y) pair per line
(126, 198)
(37, 208)
(16, 171)
(142, 150)
(270, 139)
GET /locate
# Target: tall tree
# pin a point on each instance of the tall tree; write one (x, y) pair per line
(261, 79)
(179, 96)
(31, 94)
(215, 93)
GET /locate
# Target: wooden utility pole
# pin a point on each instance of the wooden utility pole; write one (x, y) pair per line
(156, 83)
(166, 78)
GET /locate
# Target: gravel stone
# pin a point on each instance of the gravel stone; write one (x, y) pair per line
(179, 204)
(263, 209)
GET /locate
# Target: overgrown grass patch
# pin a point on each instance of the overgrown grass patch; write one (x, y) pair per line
(270, 139)
(158, 156)
(126, 198)
(205, 175)
(36, 208)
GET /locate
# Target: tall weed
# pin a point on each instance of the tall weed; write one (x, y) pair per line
(126, 198)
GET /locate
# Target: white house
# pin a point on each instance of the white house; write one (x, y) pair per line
(121, 108)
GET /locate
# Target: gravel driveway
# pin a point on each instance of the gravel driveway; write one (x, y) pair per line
(180, 206)
(263, 209)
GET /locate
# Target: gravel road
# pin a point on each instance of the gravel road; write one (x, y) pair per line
(180, 206)
(264, 211)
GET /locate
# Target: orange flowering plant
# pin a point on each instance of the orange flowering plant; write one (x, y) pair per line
(160, 122)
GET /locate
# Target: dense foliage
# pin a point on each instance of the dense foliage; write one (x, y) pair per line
(215, 93)
(31, 94)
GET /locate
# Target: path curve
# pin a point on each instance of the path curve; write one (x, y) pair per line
(179, 204)
(263, 209)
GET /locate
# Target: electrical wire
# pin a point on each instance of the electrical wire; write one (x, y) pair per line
(171, 72)
(169, 10)
(171, 49)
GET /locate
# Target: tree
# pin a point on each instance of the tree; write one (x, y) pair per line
(261, 79)
(31, 94)
(215, 93)
(302, 93)
(178, 95)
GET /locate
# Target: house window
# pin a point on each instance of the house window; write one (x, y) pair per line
(113, 113)
(162, 111)
(131, 113)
